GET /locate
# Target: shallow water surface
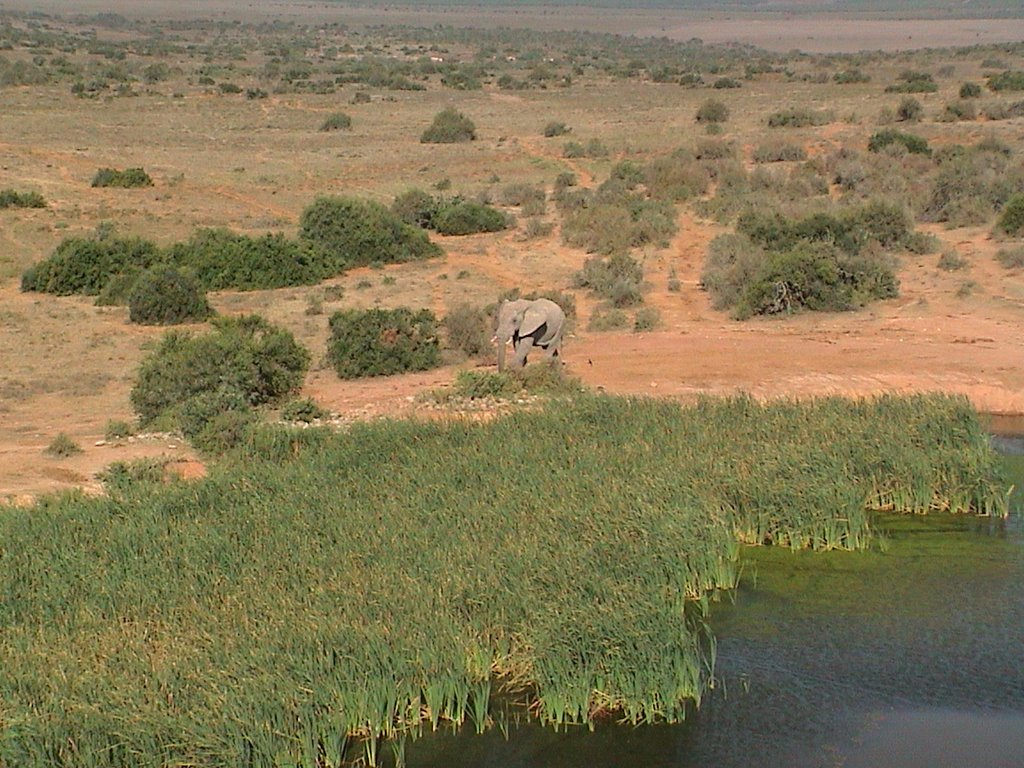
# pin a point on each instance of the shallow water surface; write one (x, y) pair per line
(911, 656)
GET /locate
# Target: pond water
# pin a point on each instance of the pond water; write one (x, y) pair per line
(911, 656)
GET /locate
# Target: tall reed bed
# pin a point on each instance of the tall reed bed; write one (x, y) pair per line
(322, 596)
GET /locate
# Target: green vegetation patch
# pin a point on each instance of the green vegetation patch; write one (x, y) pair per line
(326, 587)
(165, 295)
(130, 177)
(913, 143)
(12, 198)
(381, 342)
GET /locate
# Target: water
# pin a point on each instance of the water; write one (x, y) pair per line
(911, 657)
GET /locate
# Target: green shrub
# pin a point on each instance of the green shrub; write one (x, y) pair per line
(797, 117)
(117, 429)
(914, 144)
(303, 409)
(715, 149)
(467, 218)
(118, 288)
(416, 207)
(522, 195)
(1011, 220)
(556, 128)
(468, 329)
(970, 91)
(909, 110)
(381, 342)
(164, 295)
(10, 198)
(348, 232)
(676, 178)
(121, 476)
(646, 319)
(449, 127)
(62, 446)
(1007, 81)
(608, 320)
(1011, 258)
(618, 278)
(724, 83)
(221, 260)
(85, 265)
(848, 76)
(130, 177)
(913, 82)
(337, 121)
(243, 360)
(477, 385)
(779, 152)
(224, 430)
(712, 111)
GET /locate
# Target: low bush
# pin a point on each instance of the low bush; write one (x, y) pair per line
(221, 259)
(676, 178)
(970, 91)
(646, 319)
(478, 385)
(130, 177)
(909, 110)
(913, 82)
(338, 121)
(468, 330)
(779, 152)
(117, 429)
(466, 218)
(164, 295)
(798, 117)
(725, 83)
(86, 265)
(712, 111)
(951, 261)
(556, 128)
(349, 232)
(1011, 220)
(62, 446)
(608, 320)
(381, 342)
(848, 76)
(449, 127)
(243, 362)
(618, 278)
(913, 143)
(1007, 81)
(715, 149)
(1011, 258)
(304, 410)
(11, 198)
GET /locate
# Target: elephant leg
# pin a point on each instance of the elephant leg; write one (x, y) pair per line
(522, 351)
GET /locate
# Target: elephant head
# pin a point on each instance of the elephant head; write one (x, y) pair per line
(528, 324)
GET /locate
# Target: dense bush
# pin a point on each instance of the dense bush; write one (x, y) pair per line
(130, 177)
(676, 178)
(381, 342)
(909, 110)
(712, 111)
(913, 143)
(556, 128)
(221, 259)
(449, 127)
(338, 121)
(11, 198)
(164, 295)
(970, 186)
(1011, 220)
(348, 232)
(85, 265)
(188, 380)
(466, 218)
(970, 91)
(618, 278)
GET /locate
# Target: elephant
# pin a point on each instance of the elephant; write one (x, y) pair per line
(537, 323)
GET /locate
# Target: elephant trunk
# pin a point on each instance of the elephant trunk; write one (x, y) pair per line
(502, 343)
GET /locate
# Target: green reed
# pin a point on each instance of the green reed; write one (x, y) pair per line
(321, 595)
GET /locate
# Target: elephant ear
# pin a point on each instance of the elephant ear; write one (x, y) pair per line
(533, 318)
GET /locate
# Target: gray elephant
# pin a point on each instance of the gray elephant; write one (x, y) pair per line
(528, 324)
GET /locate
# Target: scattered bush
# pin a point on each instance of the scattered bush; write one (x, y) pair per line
(381, 342)
(798, 118)
(468, 330)
(1011, 258)
(62, 446)
(848, 76)
(951, 261)
(244, 361)
(348, 232)
(726, 83)
(712, 111)
(164, 295)
(120, 476)
(338, 121)
(556, 128)
(970, 91)
(1011, 220)
(618, 278)
(608, 320)
(913, 82)
(117, 429)
(304, 410)
(779, 152)
(715, 149)
(958, 110)
(646, 319)
(913, 144)
(522, 195)
(130, 177)
(1007, 81)
(10, 198)
(449, 127)
(909, 110)
(479, 385)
